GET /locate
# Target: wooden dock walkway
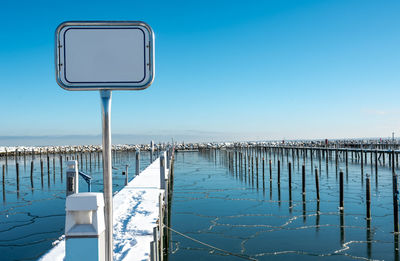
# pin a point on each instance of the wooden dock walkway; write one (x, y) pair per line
(136, 213)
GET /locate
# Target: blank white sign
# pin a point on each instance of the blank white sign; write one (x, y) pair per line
(104, 56)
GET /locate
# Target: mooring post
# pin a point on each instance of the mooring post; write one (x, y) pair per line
(162, 171)
(376, 163)
(368, 197)
(6, 154)
(336, 161)
(41, 168)
(137, 155)
(31, 169)
(362, 164)
(290, 176)
(395, 202)
(3, 178)
(155, 240)
(263, 168)
(317, 183)
(17, 169)
(303, 178)
(270, 170)
(279, 172)
(126, 175)
(341, 204)
(61, 165)
(151, 151)
(161, 224)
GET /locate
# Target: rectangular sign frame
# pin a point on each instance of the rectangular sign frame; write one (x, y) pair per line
(75, 65)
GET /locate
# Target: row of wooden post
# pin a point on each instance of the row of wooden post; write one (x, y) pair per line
(161, 233)
(238, 162)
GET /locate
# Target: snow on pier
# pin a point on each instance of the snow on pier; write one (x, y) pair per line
(136, 211)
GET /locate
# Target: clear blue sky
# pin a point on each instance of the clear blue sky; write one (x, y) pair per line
(240, 70)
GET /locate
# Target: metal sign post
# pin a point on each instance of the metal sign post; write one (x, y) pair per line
(105, 96)
(105, 56)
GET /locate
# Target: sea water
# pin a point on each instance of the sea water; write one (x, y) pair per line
(32, 218)
(227, 209)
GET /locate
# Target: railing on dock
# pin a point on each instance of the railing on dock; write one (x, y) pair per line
(161, 235)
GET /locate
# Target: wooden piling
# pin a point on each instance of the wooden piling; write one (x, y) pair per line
(17, 169)
(257, 170)
(4, 183)
(6, 157)
(317, 183)
(270, 170)
(336, 161)
(395, 202)
(263, 169)
(342, 233)
(48, 165)
(290, 176)
(32, 173)
(4, 173)
(362, 165)
(368, 197)
(41, 170)
(341, 203)
(303, 178)
(279, 172)
(61, 165)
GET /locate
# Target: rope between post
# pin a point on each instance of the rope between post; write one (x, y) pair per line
(210, 246)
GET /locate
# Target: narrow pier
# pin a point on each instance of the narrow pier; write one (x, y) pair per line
(137, 211)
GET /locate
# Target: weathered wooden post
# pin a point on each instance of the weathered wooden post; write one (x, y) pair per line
(162, 171)
(32, 173)
(4, 183)
(137, 156)
(290, 176)
(341, 204)
(303, 178)
(161, 224)
(17, 169)
(270, 170)
(263, 168)
(279, 172)
(395, 202)
(326, 161)
(336, 161)
(126, 175)
(368, 197)
(151, 151)
(6, 155)
(317, 183)
(362, 165)
(342, 233)
(311, 158)
(41, 170)
(61, 165)
(376, 163)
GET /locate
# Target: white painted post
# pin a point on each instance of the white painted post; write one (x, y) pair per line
(151, 151)
(161, 225)
(85, 227)
(72, 185)
(168, 158)
(152, 251)
(155, 240)
(162, 171)
(137, 162)
(126, 175)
